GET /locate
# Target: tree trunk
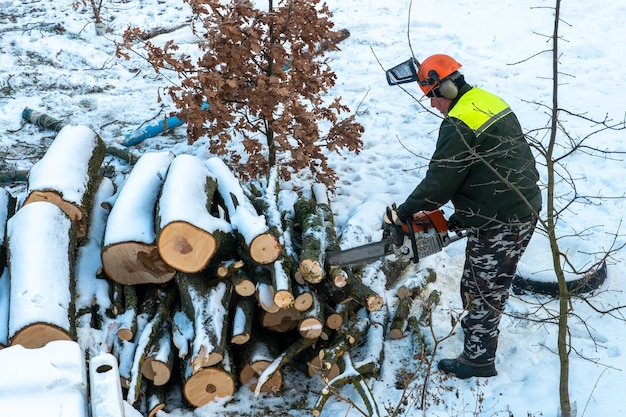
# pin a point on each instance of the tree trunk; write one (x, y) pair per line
(38, 311)
(130, 255)
(72, 190)
(256, 239)
(189, 235)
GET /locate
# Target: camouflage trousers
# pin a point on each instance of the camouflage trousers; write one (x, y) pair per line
(491, 258)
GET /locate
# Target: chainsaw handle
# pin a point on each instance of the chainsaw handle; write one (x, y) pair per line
(409, 225)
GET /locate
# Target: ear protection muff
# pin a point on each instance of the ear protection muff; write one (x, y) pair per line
(447, 88)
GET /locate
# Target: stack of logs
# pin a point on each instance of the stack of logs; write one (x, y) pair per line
(223, 285)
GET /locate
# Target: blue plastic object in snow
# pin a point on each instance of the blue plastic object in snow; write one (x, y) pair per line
(150, 131)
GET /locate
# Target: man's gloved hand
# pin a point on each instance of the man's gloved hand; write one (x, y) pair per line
(391, 216)
(454, 225)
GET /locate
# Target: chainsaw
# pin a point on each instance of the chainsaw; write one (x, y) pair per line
(425, 234)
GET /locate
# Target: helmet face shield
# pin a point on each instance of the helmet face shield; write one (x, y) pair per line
(403, 73)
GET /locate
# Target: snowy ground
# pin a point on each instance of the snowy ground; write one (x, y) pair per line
(51, 60)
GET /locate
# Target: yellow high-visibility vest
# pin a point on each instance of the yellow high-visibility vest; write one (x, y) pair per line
(479, 109)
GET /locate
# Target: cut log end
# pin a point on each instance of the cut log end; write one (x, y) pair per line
(315, 367)
(265, 249)
(38, 335)
(240, 339)
(374, 302)
(310, 328)
(396, 334)
(156, 371)
(245, 288)
(250, 373)
(131, 263)
(72, 210)
(185, 247)
(283, 298)
(206, 385)
(125, 334)
(311, 271)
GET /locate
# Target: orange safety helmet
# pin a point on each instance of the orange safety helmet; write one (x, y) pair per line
(433, 70)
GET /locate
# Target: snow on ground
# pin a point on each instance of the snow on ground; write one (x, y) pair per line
(51, 60)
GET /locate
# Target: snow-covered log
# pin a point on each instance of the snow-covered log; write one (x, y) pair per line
(189, 236)
(149, 345)
(129, 253)
(159, 362)
(243, 315)
(41, 243)
(256, 239)
(313, 232)
(66, 174)
(93, 305)
(104, 386)
(207, 307)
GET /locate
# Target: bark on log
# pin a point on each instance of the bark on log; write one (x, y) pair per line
(264, 290)
(344, 340)
(129, 254)
(428, 306)
(82, 150)
(206, 384)
(363, 294)
(312, 321)
(313, 232)
(41, 312)
(280, 272)
(207, 307)
(159, 361)
(189, 236)
(257, 240)
(127, 317)
(399, 322)
(243, 315)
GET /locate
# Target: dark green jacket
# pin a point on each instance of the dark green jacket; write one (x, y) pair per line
(462, 167)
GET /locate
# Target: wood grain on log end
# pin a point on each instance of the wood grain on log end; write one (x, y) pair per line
(156, 371)
(250, 373)
(37, 335)
(283, 298)
(311, 270)
(72, 211)
(314, 367)
(265, 249)
(206, 385)
(131, 263)
(185, 247)
(310, 328)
